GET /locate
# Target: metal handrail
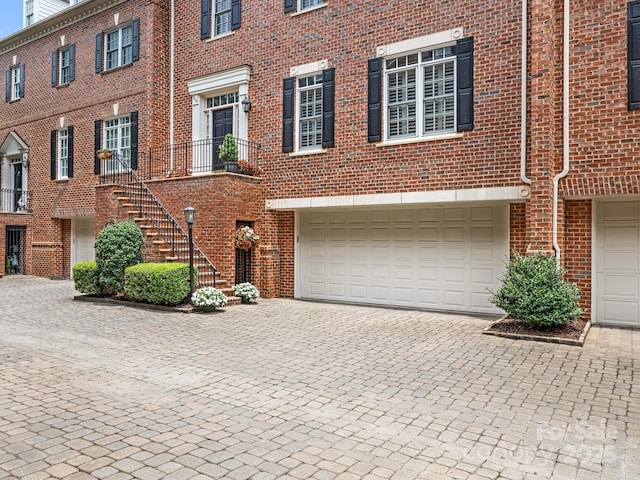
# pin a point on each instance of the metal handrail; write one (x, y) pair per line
(155, 213)
(14, 200)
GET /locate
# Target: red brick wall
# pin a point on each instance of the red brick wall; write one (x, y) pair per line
(517, 229)
(577, 251)
(91, 96)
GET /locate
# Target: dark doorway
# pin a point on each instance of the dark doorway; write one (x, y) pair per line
(243, 259)
(17, 187)
(15, 261)
(222, 124)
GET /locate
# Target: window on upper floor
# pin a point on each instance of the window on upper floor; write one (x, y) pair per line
(308, 109)
(14, 89)
(422, 93)
(633, 55)
(219, 17)
(28, 13)
(301, 5)
(120, 135)
(62, 153)
(118, 47)
(63, 66)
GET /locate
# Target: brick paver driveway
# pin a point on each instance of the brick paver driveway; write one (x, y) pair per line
(290, 389)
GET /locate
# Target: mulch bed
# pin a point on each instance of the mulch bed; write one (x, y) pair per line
(571, 333)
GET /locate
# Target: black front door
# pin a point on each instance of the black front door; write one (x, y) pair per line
(15, 249)
(17, 186)
(222, 124)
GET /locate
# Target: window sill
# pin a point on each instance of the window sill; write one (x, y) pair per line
(65, 85)
(302, 153)
(15, 100)
(61, 180)
(224, 35)
(311, 9)
(432, 138)
(115, 69)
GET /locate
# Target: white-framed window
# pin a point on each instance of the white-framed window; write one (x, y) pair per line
(421, 93)
(65, 65)
(221, 17)
(28, 12)
(305, 4)
(16, 81)
(117, 138)
(421, 89)
(309, 112)
(63, 153)
(119, 47)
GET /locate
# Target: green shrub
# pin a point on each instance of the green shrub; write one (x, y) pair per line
(533, 290)
(118, 246)
(86, 278)
(158, 283)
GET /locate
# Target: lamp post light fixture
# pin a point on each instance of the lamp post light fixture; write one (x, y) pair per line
(190, 218)
(246, 104)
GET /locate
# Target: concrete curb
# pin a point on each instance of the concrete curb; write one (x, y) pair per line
(126, 303)
(539, 338)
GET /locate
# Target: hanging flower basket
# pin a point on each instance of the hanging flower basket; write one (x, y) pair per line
(104, 154)
(245, 238)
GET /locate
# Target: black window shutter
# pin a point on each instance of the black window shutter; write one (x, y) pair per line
(289, 6)
(328, 106)
(54, 68)
(21, 93)
(205, 19)
(135, 41)
(96, 144)
(134, 140)
(70, 152)
(7, 90)
(72, 62)
(374, 98)
(99, 52)
(287, 114)
(235, 14)
(464, 51)
(54, 154)
(633, 56)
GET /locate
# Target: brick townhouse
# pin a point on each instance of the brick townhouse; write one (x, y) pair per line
(404, 148)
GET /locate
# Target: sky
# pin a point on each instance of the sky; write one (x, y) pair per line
(11, 16)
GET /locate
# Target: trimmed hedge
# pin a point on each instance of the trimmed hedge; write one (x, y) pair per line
(118, 246)
(158, 283)
(86, 278)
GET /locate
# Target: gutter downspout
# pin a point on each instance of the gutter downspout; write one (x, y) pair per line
(565, 130)
(523, 99)
(171, 82)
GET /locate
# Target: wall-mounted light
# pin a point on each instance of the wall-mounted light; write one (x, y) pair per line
(246, 105)
(25, 160)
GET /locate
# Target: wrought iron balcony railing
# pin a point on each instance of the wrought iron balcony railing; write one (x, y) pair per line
(200, 156)
(14, 200)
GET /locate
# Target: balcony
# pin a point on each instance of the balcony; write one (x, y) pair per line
(14, 200)
(200, 156)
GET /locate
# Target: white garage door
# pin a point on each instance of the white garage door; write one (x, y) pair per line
(82, 240)
(618, 263)
(436, 258)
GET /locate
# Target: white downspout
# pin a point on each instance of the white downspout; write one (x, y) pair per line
(523, 99)
(565, 129)
(171, 82)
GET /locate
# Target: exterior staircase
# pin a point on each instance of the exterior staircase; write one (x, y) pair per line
(165, 239)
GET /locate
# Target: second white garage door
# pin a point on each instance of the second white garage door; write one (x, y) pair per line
(437, 258)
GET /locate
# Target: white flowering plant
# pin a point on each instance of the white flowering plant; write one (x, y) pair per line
(246, 290)
(245, 238)
(209, 297)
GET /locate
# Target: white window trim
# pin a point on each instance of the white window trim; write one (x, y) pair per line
(213, 22)
(60, 176)
(119, 149)
(300, 71)
(105, 41)
(15, 86)
(298, 11)
(405, 47)
(60, 66)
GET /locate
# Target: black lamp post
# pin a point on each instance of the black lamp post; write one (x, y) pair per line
(190, 218)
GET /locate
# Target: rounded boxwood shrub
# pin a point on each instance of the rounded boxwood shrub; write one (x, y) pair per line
(86, 278)
(118, 246)
(533, 290)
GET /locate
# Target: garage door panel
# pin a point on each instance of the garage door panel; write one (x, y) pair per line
(318, 234)
(620, 235)
(625, 260)
(617, 254)
(431, 258)
(620, 285)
